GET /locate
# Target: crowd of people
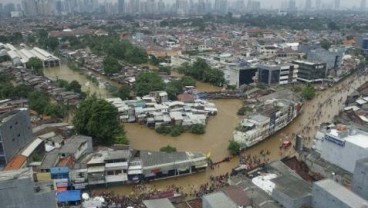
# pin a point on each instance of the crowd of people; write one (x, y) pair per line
(144, 191)
(253, 161)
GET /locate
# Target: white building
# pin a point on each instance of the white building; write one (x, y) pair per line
(344, 148)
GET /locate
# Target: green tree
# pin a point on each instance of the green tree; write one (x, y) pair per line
(309, 92)
(74, 86)
(111, 65)
(198, 129)
(165, 69)
(62, 83)
(234, 147)
(35, 64)
(55, 110)
(201, 71)
(123, 92)
(325, 44)
(176, 131)
(99, 119)
(38, 101)
(52, 43)
(187, 81)
(147, 82)
(243, 110)
(168, 149)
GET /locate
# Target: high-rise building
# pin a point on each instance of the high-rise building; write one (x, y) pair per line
(318, 4)
(308, 4)
(363, 5)
(220, 6)
(337, 4)
(121, 6)
(292, 5)
(15, 134)
(1, 8)
(161, 7)
(182, 7)
(29, 7)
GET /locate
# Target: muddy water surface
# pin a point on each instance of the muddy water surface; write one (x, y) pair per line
(64, 72)
(219, 129)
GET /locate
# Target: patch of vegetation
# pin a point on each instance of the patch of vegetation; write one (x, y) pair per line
(168, 149)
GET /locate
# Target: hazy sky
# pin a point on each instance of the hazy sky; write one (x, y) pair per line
(269, 3)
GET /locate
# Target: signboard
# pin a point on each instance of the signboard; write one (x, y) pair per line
(335, 140)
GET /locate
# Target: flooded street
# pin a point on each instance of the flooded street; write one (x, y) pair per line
(220, 127)
(64, 72)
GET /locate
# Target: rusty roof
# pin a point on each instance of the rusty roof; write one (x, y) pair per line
(16, 162)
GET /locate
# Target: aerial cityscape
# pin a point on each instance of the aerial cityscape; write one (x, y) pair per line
(183, 104)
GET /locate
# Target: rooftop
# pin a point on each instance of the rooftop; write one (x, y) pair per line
(158, 203)
(219, 200)
(16, 174)
(341, 193)
(15, 163)
(72, 144)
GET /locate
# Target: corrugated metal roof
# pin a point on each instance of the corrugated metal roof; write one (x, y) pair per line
(28, 151)
(16, 163)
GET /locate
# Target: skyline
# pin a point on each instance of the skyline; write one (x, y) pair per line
(265, 3)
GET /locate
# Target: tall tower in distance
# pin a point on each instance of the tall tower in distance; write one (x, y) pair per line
(363, 4)
(337, 4)
(121, 6)
(318, 4)
(308, 4)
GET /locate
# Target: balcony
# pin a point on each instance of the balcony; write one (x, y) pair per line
(116, 166)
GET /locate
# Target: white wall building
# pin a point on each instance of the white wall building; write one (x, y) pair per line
(344, 148)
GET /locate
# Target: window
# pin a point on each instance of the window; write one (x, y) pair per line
(18, 135)
(11, 127)
(2, 161)
(1, 149)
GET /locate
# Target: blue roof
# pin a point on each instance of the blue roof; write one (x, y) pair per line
(69, 196)
(58, 170)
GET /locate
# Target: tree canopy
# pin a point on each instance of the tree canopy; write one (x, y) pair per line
(201, 71)
(309, 92)
(234, 147)
(35, 64)
(99, 119)
(148, 81)
(111, 65)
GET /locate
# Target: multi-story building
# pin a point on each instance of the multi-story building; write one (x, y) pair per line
(121, 6)
(327, 193)
(364, 43)
(332, 57)
(116, 166)
(272, 115)
(360, 180)
(15, 134)
(344, 147)
(278, 74)
(310, 71)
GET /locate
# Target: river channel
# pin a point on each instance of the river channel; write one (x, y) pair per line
(219, 130)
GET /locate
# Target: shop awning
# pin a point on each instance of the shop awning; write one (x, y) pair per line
(69, 196)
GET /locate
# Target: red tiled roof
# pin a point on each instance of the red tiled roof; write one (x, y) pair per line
(16, 163)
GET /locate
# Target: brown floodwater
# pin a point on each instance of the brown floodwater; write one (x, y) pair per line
(219, 129)
(64, 72)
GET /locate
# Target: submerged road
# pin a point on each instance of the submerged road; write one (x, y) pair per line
(321, 109)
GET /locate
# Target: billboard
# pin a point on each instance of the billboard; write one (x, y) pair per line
(335, 140)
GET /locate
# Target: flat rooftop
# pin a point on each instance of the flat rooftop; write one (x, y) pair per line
(341, 193)
(16, 174)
